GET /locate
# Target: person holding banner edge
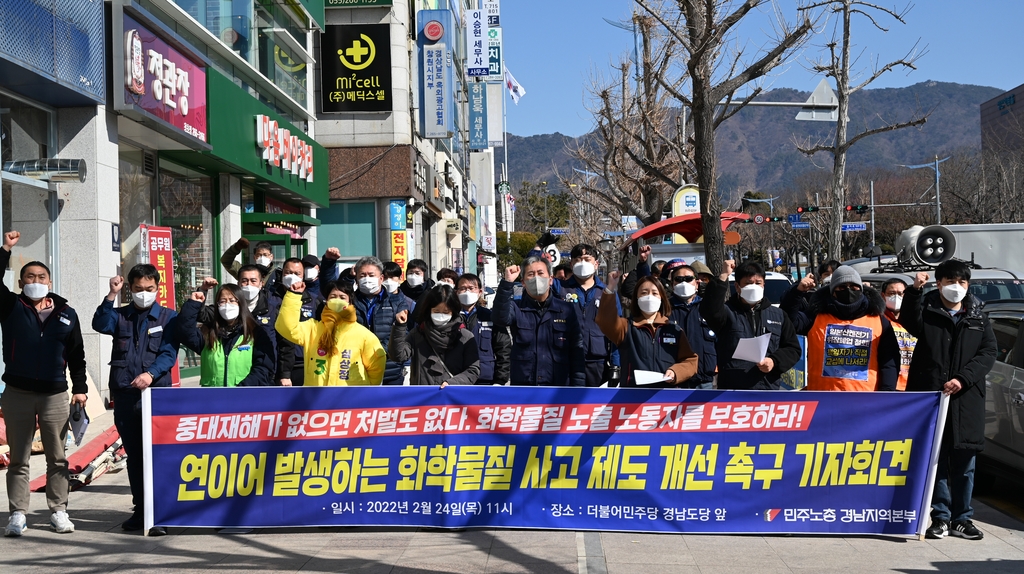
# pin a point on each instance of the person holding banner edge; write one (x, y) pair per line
(956, 348)
(143, 354)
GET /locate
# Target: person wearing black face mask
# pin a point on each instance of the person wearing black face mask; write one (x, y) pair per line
(851, 345)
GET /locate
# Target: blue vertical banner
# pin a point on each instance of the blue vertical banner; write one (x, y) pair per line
(478, 116)
(645, 460)
(436, 76)
(397, 214)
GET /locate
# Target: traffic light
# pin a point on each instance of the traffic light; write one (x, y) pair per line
(858, 208)
(775, 219)
(806, 208)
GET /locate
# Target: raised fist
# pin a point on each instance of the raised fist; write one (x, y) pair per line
(198, 296)
(208, 283)
(402, 316)
(613, 280)
(645, 253)
(728, 266)
(921, 279)
(807, 283)
(11, 239)
(511, 272)
(332, 254)
(242, 243)
(116, 284)
(298, 287)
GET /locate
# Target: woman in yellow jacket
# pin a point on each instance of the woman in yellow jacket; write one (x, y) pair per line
(337, 350)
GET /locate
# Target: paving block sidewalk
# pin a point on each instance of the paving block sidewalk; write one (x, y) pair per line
(99, 545)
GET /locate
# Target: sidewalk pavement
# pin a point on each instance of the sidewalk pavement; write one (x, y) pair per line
(99, 545)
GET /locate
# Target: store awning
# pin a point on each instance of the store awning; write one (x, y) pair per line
(689, 226)
(272, 218)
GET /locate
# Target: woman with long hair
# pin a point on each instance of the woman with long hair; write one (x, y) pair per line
(235, 350)
(442, 349)
(649, 341)
(337, 350)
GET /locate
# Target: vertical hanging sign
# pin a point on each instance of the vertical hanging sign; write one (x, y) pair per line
(477, 59)
(478, 115)
(493, 13)
(494, 64)
(435, 108)
(157, 246)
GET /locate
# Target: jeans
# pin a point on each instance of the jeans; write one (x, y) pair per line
(21, 410)
(128, 420)
(954, 484)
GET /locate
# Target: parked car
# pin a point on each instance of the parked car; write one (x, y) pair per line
(986, 284)
(1004, 388)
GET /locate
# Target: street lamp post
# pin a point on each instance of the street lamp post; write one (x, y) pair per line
(938, 200)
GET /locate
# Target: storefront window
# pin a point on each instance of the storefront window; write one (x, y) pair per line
(186, 202)
(136, 195)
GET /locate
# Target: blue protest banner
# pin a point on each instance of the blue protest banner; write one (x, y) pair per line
(559, 458)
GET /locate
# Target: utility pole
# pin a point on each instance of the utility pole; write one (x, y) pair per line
(938, 198)
(872, 199)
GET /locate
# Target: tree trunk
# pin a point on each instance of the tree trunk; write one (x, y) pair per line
(704, 160)
(838, 192)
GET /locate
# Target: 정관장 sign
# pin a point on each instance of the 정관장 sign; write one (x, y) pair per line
(545, 457)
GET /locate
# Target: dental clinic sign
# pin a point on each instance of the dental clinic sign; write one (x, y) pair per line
(161, 83)
(280, 148)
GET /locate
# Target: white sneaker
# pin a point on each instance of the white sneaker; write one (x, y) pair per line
(16, 525)
(60, 523)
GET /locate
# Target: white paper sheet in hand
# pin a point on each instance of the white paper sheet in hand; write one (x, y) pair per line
(649, 377)
(753, 350)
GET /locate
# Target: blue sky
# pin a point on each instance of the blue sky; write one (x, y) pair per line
(555, 46)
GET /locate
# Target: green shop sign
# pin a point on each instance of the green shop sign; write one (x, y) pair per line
(249, 137)
(357, 3)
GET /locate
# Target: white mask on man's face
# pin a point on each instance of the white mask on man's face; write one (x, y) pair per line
(35, 291)
(369, 285)
(752, 293)
(289, 280)
(414, 279)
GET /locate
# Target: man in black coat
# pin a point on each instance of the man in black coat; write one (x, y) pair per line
(956, 348)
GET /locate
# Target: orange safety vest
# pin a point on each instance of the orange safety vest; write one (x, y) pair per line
(906, 342)
(843, 355)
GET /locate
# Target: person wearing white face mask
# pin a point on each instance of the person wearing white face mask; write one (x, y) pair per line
(685, 302)
(235, 351)
(745, 316)
(583, 292)
(441, 349)
(893, 291)
(145, 350)
(42, 343)
(956, 348)
(651, 341)
(547, 348)
(376, 310)
(417, 282)
(493, 343)
(290, 368)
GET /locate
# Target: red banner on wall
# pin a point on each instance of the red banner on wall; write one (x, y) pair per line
(157, 245)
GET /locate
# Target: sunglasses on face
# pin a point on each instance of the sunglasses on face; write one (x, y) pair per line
(845, 287)
(683, 278)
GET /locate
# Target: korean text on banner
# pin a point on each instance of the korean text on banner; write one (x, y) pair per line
(478, 116)
(653, 460)
(158, 245)
(399, 248)
(477, 58)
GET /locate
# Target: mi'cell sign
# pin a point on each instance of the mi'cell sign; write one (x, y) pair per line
(355, 68)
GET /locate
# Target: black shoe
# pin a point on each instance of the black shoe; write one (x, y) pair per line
(158, 531)
(133, 524)
(938, 529)
(966, 529)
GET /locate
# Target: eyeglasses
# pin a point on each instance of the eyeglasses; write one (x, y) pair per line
(683, 278)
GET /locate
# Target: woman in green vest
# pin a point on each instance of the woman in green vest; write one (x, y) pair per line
(235, 350)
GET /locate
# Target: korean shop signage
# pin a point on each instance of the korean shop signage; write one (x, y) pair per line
(161, 83)
(279, 148)
(356, 68)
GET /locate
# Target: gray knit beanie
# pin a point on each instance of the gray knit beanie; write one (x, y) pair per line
(843, 275)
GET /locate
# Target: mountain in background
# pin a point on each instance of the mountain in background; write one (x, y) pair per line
(757, 148)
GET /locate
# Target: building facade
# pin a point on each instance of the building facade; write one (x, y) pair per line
(397, 132)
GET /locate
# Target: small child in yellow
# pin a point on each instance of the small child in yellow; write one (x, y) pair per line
(337, 350)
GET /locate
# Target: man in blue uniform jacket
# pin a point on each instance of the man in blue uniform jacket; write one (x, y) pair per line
(547, 346)
(143, 354)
